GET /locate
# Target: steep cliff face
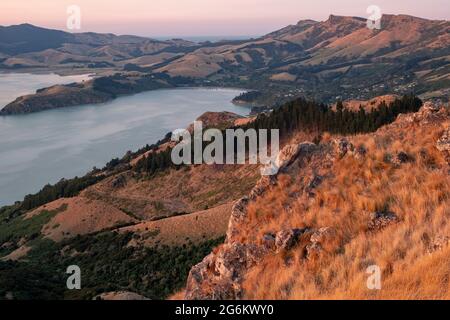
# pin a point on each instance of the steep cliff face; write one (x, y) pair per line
(336, 208)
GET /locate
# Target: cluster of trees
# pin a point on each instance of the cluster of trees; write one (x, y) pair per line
(248, 96)
(154, 162)
(62, 189)
(107, 264)
(302, 114)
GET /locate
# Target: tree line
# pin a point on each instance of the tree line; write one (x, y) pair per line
(302, 114)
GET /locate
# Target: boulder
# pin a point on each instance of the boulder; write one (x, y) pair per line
(118, 182)
(269, 241)
(317, 241)
(380, 220)
(219, 276)
(341, 147)
(443, 144)
(290, 152)
(287, 239)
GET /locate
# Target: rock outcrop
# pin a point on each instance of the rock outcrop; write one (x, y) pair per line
(428, 113)
(287, 239)
(341, 147)
(118, 182)
(220, 274)
(380, 220)
(317, 241)
(308, 169)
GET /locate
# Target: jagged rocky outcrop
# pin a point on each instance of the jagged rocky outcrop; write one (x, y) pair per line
(220, 274)
(428, 113)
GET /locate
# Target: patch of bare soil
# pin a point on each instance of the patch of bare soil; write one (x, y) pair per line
(80, 216)
(17, 254)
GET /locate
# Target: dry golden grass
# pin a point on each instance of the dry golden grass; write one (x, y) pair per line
(417, 192)
(179, 230)
(187, 190)
(80, 216)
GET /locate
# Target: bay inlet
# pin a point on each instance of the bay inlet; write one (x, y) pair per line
(43, 147)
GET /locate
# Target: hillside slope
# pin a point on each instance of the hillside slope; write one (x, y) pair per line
(154, 227)
(337, 208)
(341, 56)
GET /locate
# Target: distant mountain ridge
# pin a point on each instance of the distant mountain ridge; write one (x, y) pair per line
(339, 58)
(25, 38)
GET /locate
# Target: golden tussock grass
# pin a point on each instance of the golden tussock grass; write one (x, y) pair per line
(418, 192)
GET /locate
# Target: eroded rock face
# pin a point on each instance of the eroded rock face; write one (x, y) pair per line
(380, 220)
(285, 158)
(219, 276)
(291, 152)
(238, 214)
(287, 239)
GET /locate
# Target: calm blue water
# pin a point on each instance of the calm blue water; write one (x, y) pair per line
(41, 148)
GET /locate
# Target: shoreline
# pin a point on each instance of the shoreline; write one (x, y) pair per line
(138, 144)
(133, 94)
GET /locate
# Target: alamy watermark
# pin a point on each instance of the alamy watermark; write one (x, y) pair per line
(74, 17)
(228, 149)
(374, 20)
(374, 279)
(74, 280)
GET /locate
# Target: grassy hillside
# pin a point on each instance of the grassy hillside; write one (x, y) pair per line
(342, 205)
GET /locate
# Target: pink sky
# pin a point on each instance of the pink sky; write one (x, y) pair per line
(202, 17)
